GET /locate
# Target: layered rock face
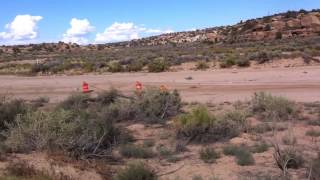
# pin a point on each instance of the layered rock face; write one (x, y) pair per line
(285, 25)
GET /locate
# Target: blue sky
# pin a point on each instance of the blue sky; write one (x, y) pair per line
(97, 21)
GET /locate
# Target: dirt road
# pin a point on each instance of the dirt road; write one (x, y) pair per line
(298, 83)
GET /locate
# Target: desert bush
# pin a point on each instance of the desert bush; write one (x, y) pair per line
(228, 62)
(135, 66)
(39, 102)
(148, 143)
(107, 97)
(245, 158)
(76, 101)
(313, 133)
(261, 57)
(208, 155)
(136, 171)
(201, 126)
(164, 151)
(156, 106)
(243, 62)
(230, 150)
(314, 122)
(22, 170)
(158, 65)
(260, 147)
(289, 138)
(134, 151)
(314, 170)
(180, 146)
(202, 65)
(278, 35)
(9, 109)
(288, 158)
(272, 107)
(242, 153)
(238, 116)
(197, 177)
(115, 66)
(263, 127)
(65, 130)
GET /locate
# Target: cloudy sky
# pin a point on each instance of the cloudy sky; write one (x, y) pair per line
(103, 21)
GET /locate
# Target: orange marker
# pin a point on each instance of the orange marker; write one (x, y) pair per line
(85, 87)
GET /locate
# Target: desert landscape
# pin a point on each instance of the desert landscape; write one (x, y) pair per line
(231, 102)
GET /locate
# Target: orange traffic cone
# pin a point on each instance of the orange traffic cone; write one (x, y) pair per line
(85, 87)
(138, 86)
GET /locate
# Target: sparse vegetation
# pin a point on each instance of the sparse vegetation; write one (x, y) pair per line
(9, 109)
(158, 65)
(134, 151)
(201, 126)
(22, 170)
(289, 138)
(272, 108)
(288, 158)
(313, 133)
(242, 153)
(208, 155)
(202, 65)
(156, 106)
(228, 62)
(260, 147)
(314, 170)
(136, 171)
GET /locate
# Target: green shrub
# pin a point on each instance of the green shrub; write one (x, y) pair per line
(289, 138)
(66, 130)
(262, 57)
(288, 158)
(245, 158)
(87, 67)
(314, 168)
(208, 155)
(115, 66)
(76, 101)
(156, 106)
(230, 150)
(39, 102)
(238, 116)
(201, 126)
(313, 133)
(136, 171)
(135, 66)
(197, 177)
(164, 151)
(134, 151)
(278, 35)
(158, 65)
(148, 143)
(242, 153)
(260, 147)
(9, 109)
(228, 62)
(243, 62)
(22, 170)
(272, 107)
(107, 97)
(263, 127)
(202, 65)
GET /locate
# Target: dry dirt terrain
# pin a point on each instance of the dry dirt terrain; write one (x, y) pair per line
(219, 85)
(219, 89)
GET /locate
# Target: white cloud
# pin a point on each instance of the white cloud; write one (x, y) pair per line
(22, 28)
(125, 31)
(78, 31)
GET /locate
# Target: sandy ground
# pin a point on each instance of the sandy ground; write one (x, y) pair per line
(297, 83)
